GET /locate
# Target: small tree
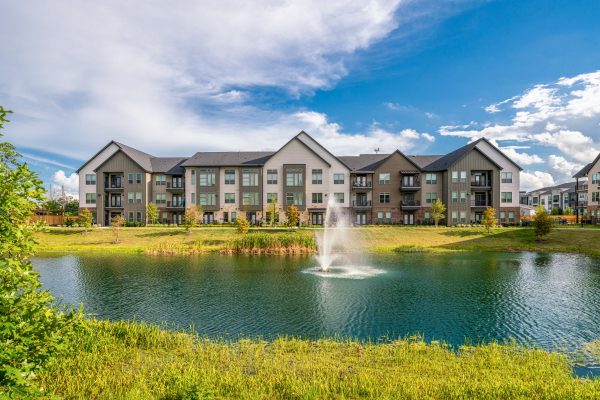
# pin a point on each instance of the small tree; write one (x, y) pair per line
(489, 218)
(190, 218)
(241, 224)
(117, 222)
(568, 211)
(273, 212)
(292, 215)
(86, 219)
(542, 222)
(438, 211)
(151, 213)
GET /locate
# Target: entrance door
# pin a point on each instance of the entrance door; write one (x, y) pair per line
(361, 219)
(409, 219)
(208, 218)
(361, 199)
(316, 219)
(251, 216)
(478, 217)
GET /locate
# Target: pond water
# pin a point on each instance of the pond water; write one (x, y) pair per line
(550, 300)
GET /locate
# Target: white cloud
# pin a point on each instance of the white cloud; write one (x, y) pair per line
(535, 180)
(69, 183)
(521, 158)
(563, 167)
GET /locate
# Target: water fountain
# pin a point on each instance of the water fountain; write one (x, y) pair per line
(338, 255)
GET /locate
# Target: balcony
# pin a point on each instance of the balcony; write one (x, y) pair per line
(410, 186)
(481, 184)
(176, 204)
(410, 204)
(113, 186)
(362, 204)
(583, 187)
(113, 204)
(481, 203)
(175, 187)
(362, 185)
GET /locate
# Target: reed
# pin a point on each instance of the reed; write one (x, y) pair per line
(273, 243)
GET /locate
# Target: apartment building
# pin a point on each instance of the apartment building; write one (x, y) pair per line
(560, 197)
(588, 186)
(373, 188)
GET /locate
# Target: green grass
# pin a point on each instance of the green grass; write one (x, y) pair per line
(371, 238)
(120, 360)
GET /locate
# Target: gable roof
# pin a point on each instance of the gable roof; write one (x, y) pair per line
(139, 157)
(424, 160)
(320, 145)
(499, 152)
(401, 154)
(363, 162)
(563, 187)
(585, 170)
(227, 158)
(95, 155)
(445, 162)
(168, 165)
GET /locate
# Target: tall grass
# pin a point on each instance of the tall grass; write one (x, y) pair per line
(120, 360)
(273, 243)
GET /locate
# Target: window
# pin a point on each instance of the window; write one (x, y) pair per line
(556, 198)
(454, 217)
(379, 217)
(511, 217)
(506, 177)
(536, 200)
(506, 197)
(250, 199)
(595, 196)
(502, 216)
(249, 177)
(130, 216)
(385, 178)
(138, 178)
(317, 177)
(230, 176)
(271, 177)
(431, 179)
(161, 198)
(455, 197)
(338, 179)
(206, 177)
(295, 198)
(138, 197)
(271, 198)
(430, 197)
(338, 197)
(317, 198)
(130, 197)
(193, 177)
(130, 178)
(293, 179)
(596, 178)
(229, 198)
(454, 176)
(384, 197)
(90, 179)
(138, 216)
(463, 217)
(388, 217)
(426, 217)
(160, 180)
(463, 197)
(207, 199)
(90, 198)
(193, 198)
(463, 176)
(233, 216)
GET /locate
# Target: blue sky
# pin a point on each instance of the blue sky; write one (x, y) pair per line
(421, 76)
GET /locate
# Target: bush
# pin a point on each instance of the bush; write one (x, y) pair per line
(242, 225)
(542, 222)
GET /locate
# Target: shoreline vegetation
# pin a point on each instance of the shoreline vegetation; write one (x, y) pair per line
(280, 241)
(127, 360)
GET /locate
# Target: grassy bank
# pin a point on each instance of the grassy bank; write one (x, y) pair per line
(119, 360)
(371, 238)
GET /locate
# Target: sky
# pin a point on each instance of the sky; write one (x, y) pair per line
(424, 77)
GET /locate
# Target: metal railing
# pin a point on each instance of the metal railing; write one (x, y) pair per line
(361, 203)
(175, 204)
(410, 203)
(179, 185)
(360, 185)
(481, 203)
(481, 183)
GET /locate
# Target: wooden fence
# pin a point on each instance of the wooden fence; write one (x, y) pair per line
(54, 220)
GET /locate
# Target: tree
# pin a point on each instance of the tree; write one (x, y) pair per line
(273, 212)
(568, 211)
(116, 223)
(438, 211)
(32, 329)
(542, 222)
(72, 207)
(190, 218)
(86, 219)
(151, 213)
(242, 225)
(489, 218)
(292, 215)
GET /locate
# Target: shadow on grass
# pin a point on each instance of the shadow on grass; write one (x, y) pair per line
(510, 240)
(463, 233)
(165, 233)
(62, 232)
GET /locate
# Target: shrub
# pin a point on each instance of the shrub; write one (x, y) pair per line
(292, 215)
(242, 225)
(542, 222)
(489, 218)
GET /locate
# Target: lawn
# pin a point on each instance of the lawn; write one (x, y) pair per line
(120, 360)
(371, 238)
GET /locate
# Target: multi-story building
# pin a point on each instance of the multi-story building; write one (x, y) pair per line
(589, 189)
(558, 197)
(373, 188)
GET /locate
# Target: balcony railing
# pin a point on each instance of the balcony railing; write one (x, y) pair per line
(113, 204)
(410, 203)
(481, 203)
(178, 186)
(362, 185)
(410, 185)
(113, 185)
(175, 204)
(478, 184)
(361, 203)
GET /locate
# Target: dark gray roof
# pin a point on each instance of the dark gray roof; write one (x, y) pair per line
(363, 162)
(141, 158)
(568, 186)
(227, 158)
(584, 171)
(168, 165)
(445, 162)
(424, 161)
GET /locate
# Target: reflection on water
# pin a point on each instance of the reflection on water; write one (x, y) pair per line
(345, 272)
(548, 300)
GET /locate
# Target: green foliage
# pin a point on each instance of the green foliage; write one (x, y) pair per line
(116, 223)
(542, 222)
(191, 218)
(52, 205)
(438, 211)
(489, 218)
(292, 216)
(241, 224)
(568, 211)
(274, 243)
(32, 330)
(273, 213)
(86, 219)
(72, 207)
(557, 211)
(151, 213)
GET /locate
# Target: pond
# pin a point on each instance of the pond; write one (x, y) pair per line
(550, 300)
